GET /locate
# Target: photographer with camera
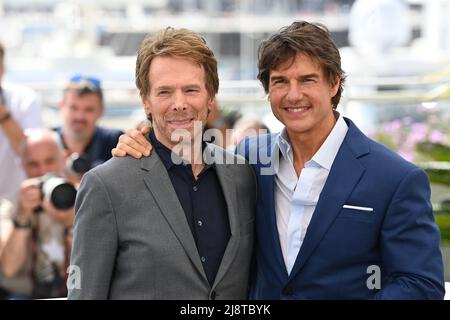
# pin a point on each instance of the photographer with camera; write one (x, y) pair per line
(35, 256)
(87, 144)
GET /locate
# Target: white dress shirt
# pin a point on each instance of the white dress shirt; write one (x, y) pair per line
(296, 197)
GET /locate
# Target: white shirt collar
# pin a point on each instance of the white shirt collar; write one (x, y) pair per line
(284, 144)
(327, 151)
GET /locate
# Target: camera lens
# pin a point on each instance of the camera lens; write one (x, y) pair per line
(63, 196)
(61, 193)
(79, 164)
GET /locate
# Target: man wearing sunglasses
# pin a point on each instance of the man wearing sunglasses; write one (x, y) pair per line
(80, 109)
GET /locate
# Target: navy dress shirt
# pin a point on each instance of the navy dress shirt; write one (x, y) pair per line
(204, 205)
(99, 149)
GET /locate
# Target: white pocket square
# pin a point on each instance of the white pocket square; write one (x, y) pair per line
(346, 206)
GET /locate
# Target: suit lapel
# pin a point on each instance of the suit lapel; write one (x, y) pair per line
(229, 192)
(226, 180)
(344, 175)
(158, 182)
(267, 181)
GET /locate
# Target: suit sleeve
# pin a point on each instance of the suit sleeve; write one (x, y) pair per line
(95, 240)
(411, 256)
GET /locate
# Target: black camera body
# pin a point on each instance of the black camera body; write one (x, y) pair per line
(61, 193)
(78, 164)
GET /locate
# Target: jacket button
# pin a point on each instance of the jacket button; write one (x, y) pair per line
(288, 291)
(213, 295)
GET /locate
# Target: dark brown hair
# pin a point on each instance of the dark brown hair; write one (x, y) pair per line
(181, 43)
(307, 38)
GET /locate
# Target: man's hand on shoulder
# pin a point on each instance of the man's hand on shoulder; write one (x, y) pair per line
(133, 143)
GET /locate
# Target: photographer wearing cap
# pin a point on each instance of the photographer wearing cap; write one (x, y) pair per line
(88, 144)
(35, 256)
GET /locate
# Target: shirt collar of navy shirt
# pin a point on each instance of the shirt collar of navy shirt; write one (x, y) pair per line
(165, 154)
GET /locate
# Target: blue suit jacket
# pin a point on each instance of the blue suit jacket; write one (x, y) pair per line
(399, 236)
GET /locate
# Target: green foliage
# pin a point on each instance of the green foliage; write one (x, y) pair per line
(436, 151)
(443, 222)
(439, 176)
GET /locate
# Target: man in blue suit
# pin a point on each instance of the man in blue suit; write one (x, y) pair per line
(339, 216)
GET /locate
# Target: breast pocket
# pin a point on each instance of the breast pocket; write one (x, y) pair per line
(357, 215)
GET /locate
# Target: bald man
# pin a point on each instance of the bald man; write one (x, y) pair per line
(34, 258)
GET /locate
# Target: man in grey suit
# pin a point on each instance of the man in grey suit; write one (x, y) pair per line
(171, 225)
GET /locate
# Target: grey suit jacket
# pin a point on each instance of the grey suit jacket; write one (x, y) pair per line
(132, 240)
